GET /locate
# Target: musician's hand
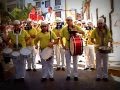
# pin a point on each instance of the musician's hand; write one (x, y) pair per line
(65, 47)
(50, 44)
(32, 36)
(36, 47)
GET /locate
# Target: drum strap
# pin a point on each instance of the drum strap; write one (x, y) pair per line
(50, 37)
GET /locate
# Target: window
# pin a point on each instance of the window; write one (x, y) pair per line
(38, 4)
(47, 4)
(29, 4)
(58, 14)
(57, 2)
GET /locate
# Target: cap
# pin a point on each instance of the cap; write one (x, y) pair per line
(44, 23)
(100, 20)
(29, 20)
(70, 18)
(16, 22)
(58, 19)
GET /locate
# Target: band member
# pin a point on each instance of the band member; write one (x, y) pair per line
(30, 44)
(66, 33)
(100, 37)
(59, 51)
(46, 37)
(89, 48)
(23, 36)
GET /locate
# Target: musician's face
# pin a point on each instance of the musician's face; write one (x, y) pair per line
(69, 21)
(44, 28)
(100, 25)
(16, 27)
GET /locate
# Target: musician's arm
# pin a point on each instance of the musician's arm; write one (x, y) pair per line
(7, 40)
(93, 36)
(80, 31)
(56, 40)
(92, 40)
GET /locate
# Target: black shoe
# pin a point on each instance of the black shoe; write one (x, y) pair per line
(105, 79)
(58, 68)
(86, 68)
(43, 79)
(63, 69)
(16, 80)
(28, 70)
(68, 78)
(75, 78)
(80, 61)
(92, 69)
(38, 62)
(51, 79)
(34, 70)
(98, 79)
(21, 79)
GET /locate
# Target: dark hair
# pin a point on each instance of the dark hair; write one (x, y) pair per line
(50, 7)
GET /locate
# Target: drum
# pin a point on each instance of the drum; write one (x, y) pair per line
(47, 53)
(104, 49)
(15, 55)
(7, 54)
(76, 45)
(25, 53)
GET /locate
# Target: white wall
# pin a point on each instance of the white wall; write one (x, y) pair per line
(116, 31)
(103, 9)
(74, 4)
(29, 1)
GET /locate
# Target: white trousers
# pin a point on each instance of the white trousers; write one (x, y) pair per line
(47, 68)
(102, 65)
(31, 63)
(60, 56)
(89, 56)
(19, 65)
(68, 64)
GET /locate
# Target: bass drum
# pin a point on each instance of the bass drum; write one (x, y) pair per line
(7, 54)
(25, 53)
(47, 53)
(76, 45)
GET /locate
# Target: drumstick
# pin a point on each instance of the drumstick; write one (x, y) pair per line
(117, 43)
(17, 41)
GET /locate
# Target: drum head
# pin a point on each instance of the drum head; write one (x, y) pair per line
(15, 53)
(7, 50)
(76, 45)
(46, 53)
(25, 51)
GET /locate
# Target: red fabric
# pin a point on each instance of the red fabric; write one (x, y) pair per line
(34, 16)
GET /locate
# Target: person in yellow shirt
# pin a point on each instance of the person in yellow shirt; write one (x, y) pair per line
(30, 44)
(101, 36)
(59, 51)
(89, 48)
(65, 33)
(46, 37)
(16, 39)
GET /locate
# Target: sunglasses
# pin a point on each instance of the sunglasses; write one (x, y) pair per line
(43, 26)
(100, 23)
(68, 20)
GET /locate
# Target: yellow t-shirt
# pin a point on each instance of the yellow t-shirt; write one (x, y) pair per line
(21, 37)
(65, 34)
(88, 37)
(44, 38)
(58, 33)
(33, 33)
(95, 35)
